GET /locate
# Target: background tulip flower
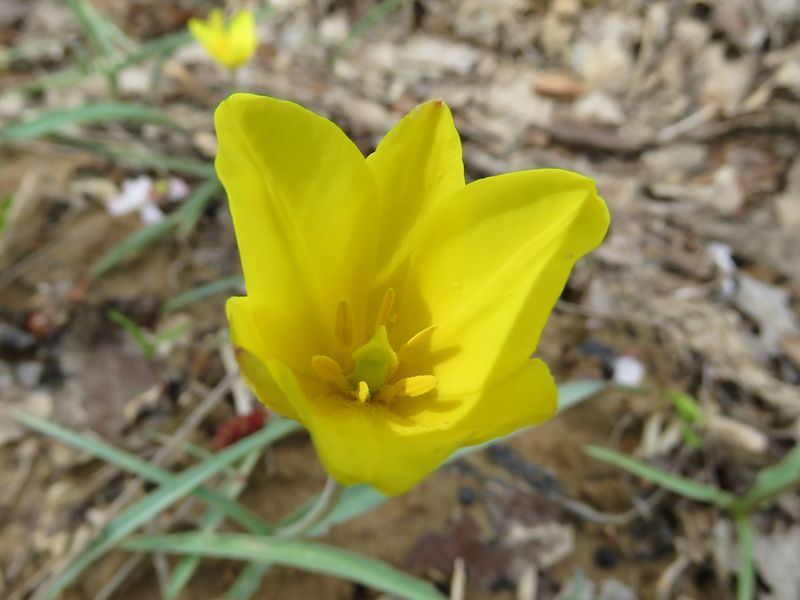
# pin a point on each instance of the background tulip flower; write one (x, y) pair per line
(391, 308)
(229, 43)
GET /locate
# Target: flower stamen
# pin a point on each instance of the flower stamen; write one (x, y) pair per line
(375, 364)
(329, 370)
(386, 308)
(362, 392)
(415, 386)
(344, 323)
(417, 339)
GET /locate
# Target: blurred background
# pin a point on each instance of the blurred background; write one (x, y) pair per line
(678, 339)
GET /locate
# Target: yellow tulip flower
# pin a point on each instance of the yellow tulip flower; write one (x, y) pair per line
(391, 308)
(229, 43)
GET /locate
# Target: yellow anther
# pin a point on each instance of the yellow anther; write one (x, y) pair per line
(415, 386)
(418, 338)
(386, 308)
(362, 393)
(326, 368)
(344, 323)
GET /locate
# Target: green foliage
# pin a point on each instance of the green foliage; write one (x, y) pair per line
(212, 519)
(168, 494)
(691, 417)
(139, 335)
(295, 553)
(5, 208)
(746, 588)
(147, 342)
(769, 483)
(135, 465)
(226, 284)
(675, 483)
(54, 121)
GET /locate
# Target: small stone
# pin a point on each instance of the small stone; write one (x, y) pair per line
(15, 340)
(559, 85)
(599, 107)
(605, 557)
(29, 373)
(613, 589)
(467, 495)
(628, 371)
(727, 196)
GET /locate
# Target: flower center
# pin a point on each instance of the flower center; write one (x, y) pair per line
(375, 363)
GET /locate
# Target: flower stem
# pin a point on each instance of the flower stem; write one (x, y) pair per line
(233, 81)
(326, 502)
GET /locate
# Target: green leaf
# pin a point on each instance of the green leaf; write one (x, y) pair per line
(771, 482)
(175, 164)
(746, 584)
(674, 483)
(575, 392)
(687, 407)
(170, 335)
(294, 553)
(577, 589)
(135, 331)
(355, 500)
(133, 464)
(213, 518)
(5, 209)
(94, 26)
(226, 284)
(164, 497)
(101, 112)
(248, 581)
(135, 242)
(193, 207)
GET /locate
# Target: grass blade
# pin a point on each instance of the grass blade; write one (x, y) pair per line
(305, 555)
(101, 112)
(133, 464)
(771, 482)
(193, 207)
(226, 284)
(211, 520)
(164, 497)
(134, 330)
(95, 27)
(674, 483)
(185, 166)
(575, 392)
(135, 242)
(248, 581)
(746, 585)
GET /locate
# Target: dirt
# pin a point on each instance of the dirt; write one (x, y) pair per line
(686, 113)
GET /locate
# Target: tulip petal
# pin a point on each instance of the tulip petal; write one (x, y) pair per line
(491, 263)
(303, 206)
(250, 349)
(201, 32)
(366, 443)
(376, 444)
(416, 163)
(242, 33)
